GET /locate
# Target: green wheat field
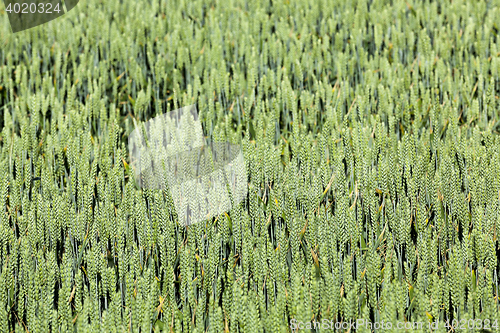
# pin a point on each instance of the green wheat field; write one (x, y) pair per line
(370, 134)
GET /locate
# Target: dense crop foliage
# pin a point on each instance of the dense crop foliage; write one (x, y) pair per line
(370, 131)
